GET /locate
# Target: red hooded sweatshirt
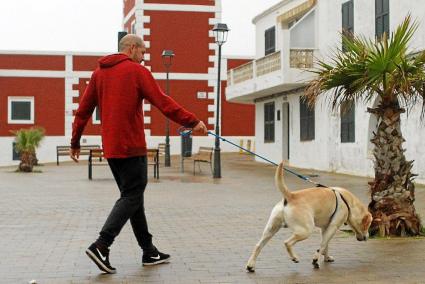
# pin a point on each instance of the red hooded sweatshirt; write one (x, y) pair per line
(118, 87)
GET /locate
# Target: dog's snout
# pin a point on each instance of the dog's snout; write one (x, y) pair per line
(362, 238)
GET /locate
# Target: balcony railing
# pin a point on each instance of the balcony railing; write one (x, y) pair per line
(268, 64)
(301, 58)
(261, 67)
(243, 73)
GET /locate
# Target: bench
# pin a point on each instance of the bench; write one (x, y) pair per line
(64, 151)
(96, 159)
(204, 155)
(161, 151)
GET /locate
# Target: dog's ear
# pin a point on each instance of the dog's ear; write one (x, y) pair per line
(367, 220)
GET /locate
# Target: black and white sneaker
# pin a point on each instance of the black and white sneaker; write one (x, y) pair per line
(100, 258)
(154, 259)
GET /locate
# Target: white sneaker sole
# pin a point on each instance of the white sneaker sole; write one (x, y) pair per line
(99, 263)
(157, 262)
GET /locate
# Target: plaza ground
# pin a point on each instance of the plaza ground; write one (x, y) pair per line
(209, 227)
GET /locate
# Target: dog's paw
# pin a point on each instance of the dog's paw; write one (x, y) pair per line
(295, 259)
(250, 269)
(329, 259)
(315, 264)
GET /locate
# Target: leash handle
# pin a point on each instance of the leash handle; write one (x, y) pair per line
(183, 131)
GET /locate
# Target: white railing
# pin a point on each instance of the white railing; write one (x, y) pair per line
(243, 73)
(268, 64)
(262, 66)
(301, 58)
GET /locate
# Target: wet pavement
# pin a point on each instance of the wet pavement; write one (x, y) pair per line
(209, 227)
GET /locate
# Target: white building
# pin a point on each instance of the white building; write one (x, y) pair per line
(289, 36)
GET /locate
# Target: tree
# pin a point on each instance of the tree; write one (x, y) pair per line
(27, 141)
(369, 69)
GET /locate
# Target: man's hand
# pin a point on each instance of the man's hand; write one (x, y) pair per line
(74, 154)
(201, 128)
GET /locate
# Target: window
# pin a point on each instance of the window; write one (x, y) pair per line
(347, 19)
(306, 121)
(21, 110)
(96, 116)
(269, 122)
(348, 122)
(270, 41)
(382, 18)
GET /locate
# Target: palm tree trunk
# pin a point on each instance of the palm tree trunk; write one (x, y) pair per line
(34, 159)
(392, 191)
(26, 164)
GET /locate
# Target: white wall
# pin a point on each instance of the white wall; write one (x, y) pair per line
(414, 132)
(303, 32)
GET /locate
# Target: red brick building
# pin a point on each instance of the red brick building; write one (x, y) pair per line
(43, 88)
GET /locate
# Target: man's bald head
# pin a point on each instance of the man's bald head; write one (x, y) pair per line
(132, 46)
(128, 40)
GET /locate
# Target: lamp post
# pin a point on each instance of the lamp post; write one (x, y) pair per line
(167, 57)
(220, 33)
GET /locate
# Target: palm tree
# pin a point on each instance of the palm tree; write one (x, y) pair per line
(370, 69)
(27, 141)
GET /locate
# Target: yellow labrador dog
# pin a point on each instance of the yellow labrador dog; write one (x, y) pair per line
(301, 211)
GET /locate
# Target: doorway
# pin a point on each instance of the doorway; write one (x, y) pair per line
(285, 131)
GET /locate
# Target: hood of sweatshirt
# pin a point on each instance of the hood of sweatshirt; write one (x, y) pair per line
(112, 60)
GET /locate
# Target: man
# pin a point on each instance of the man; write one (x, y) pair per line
(118, 87)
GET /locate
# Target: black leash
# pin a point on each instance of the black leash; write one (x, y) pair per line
(184, 132)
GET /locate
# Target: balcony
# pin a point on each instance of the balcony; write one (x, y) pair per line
(301, 58)
(276, 72)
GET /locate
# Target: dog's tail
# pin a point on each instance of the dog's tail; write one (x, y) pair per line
(280, 183)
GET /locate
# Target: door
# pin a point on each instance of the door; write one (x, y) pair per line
(285, 131)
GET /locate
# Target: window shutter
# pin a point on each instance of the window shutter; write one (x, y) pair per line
(382, 17)
(270, 41)
(347, 19)
(348, 124)
(307, 125)
(311, 124)
(269, 122)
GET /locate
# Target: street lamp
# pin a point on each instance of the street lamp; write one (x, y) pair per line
(220, 33)
(167, 58)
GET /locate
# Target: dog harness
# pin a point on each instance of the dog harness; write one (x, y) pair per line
(336, 205)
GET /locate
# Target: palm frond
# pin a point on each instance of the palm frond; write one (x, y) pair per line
(367, 68)
(27, 140)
